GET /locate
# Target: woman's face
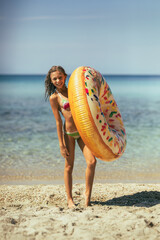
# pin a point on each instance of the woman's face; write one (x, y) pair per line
(58, 79)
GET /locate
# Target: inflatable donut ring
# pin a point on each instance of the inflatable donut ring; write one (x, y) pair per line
(96, 115)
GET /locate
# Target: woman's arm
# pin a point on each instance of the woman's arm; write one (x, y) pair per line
(59, 125)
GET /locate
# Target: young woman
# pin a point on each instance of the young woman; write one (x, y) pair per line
(57, 92)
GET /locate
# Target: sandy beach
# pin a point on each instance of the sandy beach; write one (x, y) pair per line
(118, 211)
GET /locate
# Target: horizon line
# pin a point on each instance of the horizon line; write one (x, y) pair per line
(109, 74)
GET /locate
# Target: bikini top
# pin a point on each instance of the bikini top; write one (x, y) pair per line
(65, 102)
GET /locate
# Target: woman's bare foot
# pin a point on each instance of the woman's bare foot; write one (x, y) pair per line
(71, 204)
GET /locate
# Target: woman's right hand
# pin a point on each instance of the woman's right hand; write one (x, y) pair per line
(64, 151)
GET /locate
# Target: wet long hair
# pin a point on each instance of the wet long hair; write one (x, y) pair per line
(49, 87)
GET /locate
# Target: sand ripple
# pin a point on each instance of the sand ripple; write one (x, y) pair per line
(118, 211)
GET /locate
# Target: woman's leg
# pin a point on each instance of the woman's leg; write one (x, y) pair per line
(69, 163)
(90, 170)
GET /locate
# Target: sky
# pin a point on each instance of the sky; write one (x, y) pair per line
(113, 36)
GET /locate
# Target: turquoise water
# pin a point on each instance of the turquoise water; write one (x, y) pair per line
(29, 148)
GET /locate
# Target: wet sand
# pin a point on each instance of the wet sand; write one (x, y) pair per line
(118, 211)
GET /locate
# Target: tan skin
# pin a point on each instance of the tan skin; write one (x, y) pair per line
(67, 143)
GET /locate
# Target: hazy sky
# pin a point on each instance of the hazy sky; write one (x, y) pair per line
(113, 36)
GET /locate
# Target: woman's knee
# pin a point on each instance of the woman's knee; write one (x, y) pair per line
(91, 162)
(68, 168)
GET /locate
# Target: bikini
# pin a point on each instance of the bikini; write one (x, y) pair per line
(65, 106)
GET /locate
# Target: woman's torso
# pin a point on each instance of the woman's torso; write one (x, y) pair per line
(64, 108)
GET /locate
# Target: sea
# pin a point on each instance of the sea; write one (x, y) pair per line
(29, 148)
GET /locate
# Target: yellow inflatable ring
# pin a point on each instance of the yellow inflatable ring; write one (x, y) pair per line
(95, 113)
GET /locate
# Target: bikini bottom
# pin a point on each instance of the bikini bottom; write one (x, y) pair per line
(75, 135)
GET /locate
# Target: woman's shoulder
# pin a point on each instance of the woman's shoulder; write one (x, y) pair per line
(53, 98)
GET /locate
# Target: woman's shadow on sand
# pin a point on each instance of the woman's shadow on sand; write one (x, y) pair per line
(140, 199)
